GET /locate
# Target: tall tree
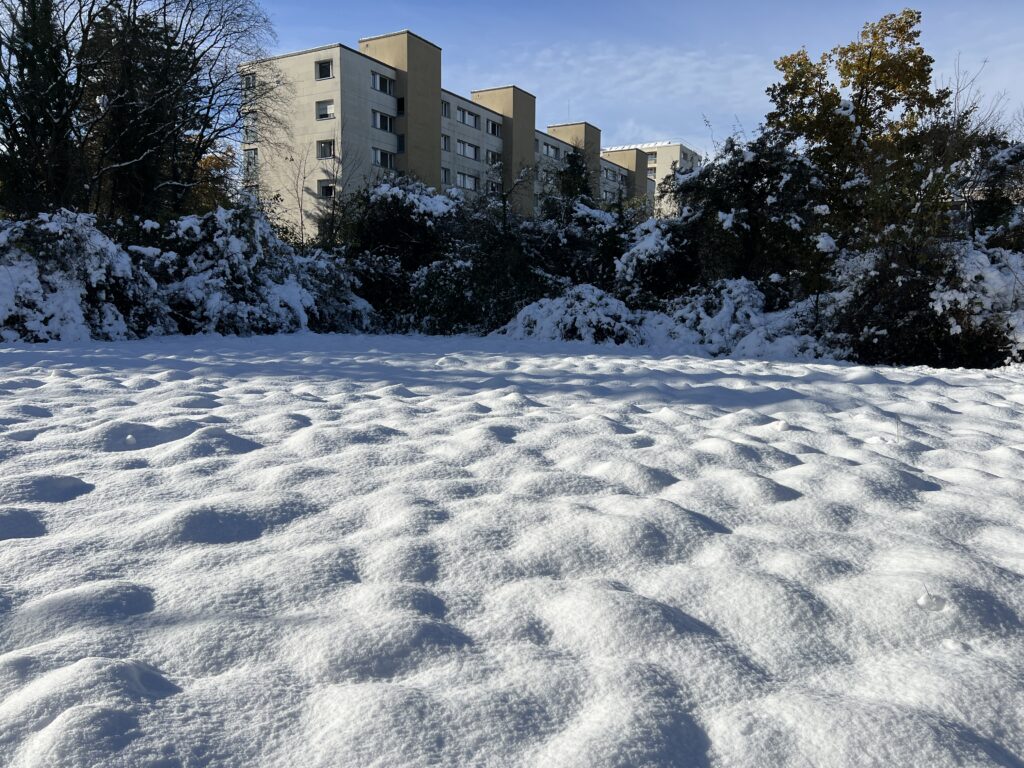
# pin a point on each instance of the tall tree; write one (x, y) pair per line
(39, 159)
(114, 104)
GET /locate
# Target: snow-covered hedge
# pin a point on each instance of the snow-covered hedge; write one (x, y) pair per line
(63, 278)
(989, 290)
(228, 272)
(435, 264)
(583, 313)
(728, 319)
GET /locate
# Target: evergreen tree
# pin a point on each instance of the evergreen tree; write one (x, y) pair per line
(39, 161)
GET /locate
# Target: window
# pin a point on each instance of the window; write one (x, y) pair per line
(446, 108)
(609, 174)
(250, 162)
(550, 150)
(493, 157)
(401, 143)
(400, 105)
(652, 158)
(325, 110)
(249, 81)
(325, 188)
(324, 70)
(652, 172)
(466, 181)
(494, 187)
(382, 83)
(383, 159)
(383, 122)
(325, 149)
(446, 176)
(624, 179)
(446, 142)
(494, 128)
(464, 148)
(249, 133)
(472, 119)
(609, 196)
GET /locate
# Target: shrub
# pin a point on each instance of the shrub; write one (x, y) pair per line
(61, 278)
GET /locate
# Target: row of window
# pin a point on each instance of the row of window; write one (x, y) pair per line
(324, 70)
(381, 159)
(466, 181)
(465, 149)
(472, 119)
(610, 174)
(326, 188)
(550, 150)
(652, 157)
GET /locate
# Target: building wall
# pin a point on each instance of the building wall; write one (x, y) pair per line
(615, 182)
(586, 138)
(659, 158)
(288, 163)
(518, 109)
(359, 101)
(546, 165)
(635, 161)
(418, 81)
(479, 137)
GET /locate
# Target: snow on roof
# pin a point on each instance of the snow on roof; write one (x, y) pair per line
(652, 145)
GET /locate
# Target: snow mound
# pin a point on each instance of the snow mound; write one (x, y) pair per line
(493, 551)
(729, 319)
(584, 313)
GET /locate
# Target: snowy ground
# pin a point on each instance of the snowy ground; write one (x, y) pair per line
(333, 551)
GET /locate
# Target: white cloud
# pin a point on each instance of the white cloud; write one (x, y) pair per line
(634, 93)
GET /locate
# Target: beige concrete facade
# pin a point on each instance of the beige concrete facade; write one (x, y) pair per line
(587, 138)
(634, 161)
(417, 63)
(661, 159)
(351, 117)
(518, 110)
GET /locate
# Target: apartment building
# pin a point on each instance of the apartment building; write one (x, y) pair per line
(350, 117)
(658, 159)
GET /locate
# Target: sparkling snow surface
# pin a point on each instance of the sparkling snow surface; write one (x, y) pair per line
(345, 551)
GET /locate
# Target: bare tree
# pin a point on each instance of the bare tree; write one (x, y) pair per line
(135, 93)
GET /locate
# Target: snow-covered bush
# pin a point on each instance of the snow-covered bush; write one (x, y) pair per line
(653, 264)
(228, 272)
(61, 278)
(390, 231)
(989, 292)
(583, 313)
(417, 198)
(328, 277)
(899, 314)
(729, 318)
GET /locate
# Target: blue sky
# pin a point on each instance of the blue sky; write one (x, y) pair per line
(652, 70)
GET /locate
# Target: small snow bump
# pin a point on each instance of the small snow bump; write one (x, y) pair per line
(930, 602)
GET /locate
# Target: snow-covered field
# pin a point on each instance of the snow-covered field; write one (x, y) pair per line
(345, 551)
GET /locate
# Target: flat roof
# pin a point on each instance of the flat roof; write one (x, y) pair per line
(574, 122)
(549, 136)
(502, 88)
(470, 101)
(329, 46)
(651, 145)
(400, 32)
